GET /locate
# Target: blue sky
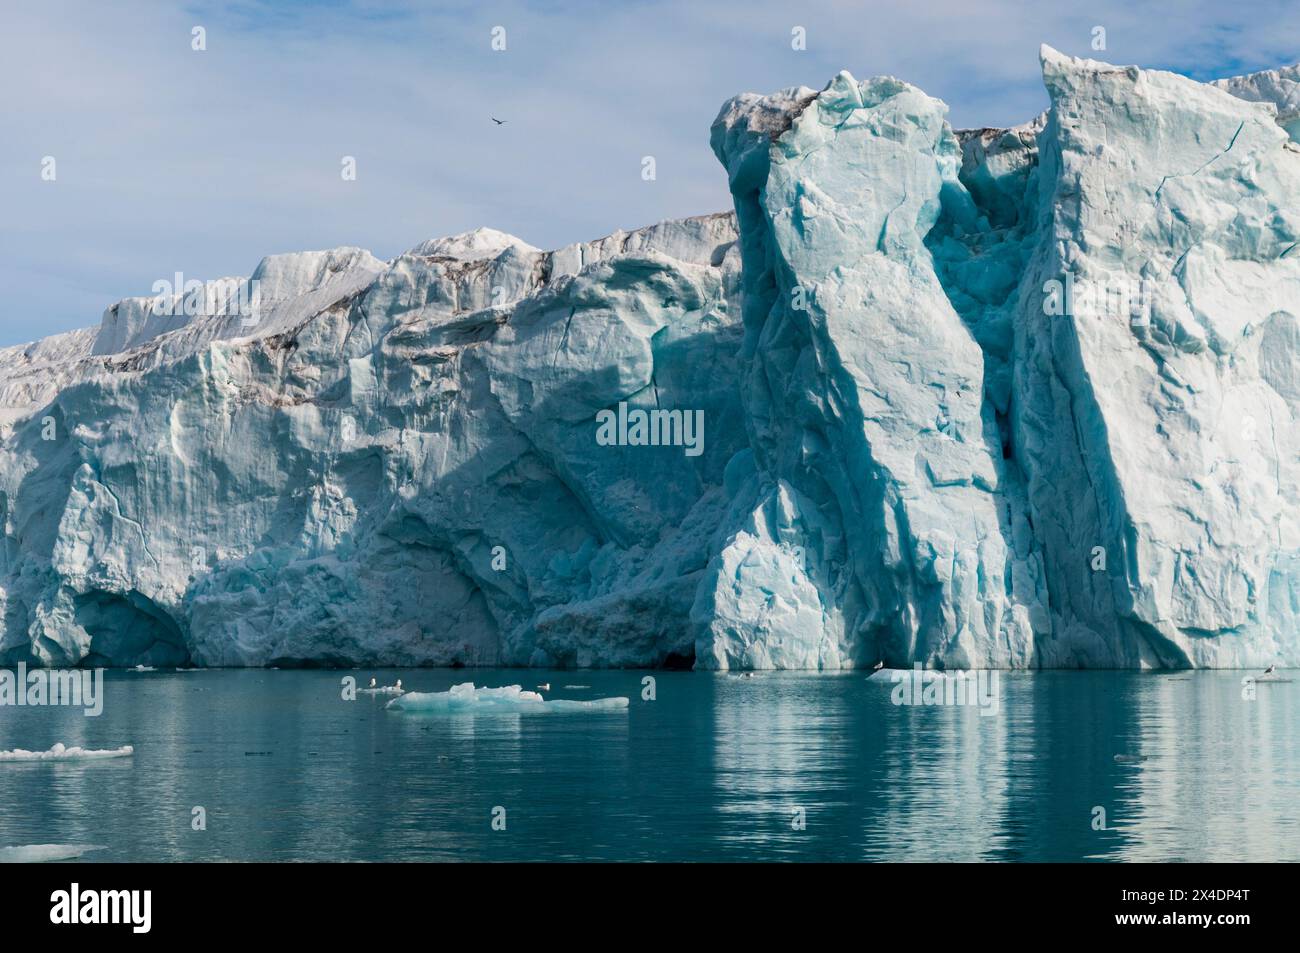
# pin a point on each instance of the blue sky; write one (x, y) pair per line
(173, 160)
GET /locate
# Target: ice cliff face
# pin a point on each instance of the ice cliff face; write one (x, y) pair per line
(877, 456)
(384, 462)
(1169, 433)
(1019, 398)
(1042, 381)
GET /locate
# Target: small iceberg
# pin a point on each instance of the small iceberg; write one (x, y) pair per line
(61, 752)
(892, 675)
(510, 698)
(886, 674)
(44, 853)
(142, 668)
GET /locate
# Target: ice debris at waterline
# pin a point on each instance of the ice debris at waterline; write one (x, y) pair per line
(926, 687)
(893, 675)
(44, 853)
(61, 752)
(994, 398)
(510, 698)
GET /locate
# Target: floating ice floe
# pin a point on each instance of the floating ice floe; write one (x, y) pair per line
(509, 698)
(61, 752)
(44, 853)
(893, 675)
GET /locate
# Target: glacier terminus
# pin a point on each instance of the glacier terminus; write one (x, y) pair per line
(993, 398)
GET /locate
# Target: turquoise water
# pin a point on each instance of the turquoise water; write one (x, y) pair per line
(713, 769)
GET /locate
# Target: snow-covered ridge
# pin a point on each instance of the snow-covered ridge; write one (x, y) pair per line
(1278, 88)
(911, 451)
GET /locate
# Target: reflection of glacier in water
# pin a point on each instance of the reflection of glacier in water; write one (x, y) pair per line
(1214, 757)
(794, 766)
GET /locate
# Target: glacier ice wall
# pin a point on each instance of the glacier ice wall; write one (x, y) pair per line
(1167, 432)
(1016, 397)
(873, 440)
(394, 464)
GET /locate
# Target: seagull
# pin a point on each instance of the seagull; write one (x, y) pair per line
(372, 684)
(499, 122)
(545, 686)
(878, 666)
(1269, 670)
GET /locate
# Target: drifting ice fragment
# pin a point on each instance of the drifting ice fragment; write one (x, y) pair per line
(43, 853)
(894, 675)
(61, 752)
(510, 698)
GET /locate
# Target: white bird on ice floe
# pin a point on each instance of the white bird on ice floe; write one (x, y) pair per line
(373, 683)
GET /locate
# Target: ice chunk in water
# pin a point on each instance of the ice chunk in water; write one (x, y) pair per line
(43, 853)
(61, 752)
(509, 698)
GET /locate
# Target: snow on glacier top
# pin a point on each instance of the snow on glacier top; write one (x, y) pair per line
(473, 245)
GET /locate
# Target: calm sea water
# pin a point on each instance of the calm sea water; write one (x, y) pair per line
(714, 769)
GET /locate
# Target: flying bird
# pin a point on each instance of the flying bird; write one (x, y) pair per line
(499, 122)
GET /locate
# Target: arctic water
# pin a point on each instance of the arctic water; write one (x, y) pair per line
(1072, 765)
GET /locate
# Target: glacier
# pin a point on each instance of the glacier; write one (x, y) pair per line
(991, 398)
